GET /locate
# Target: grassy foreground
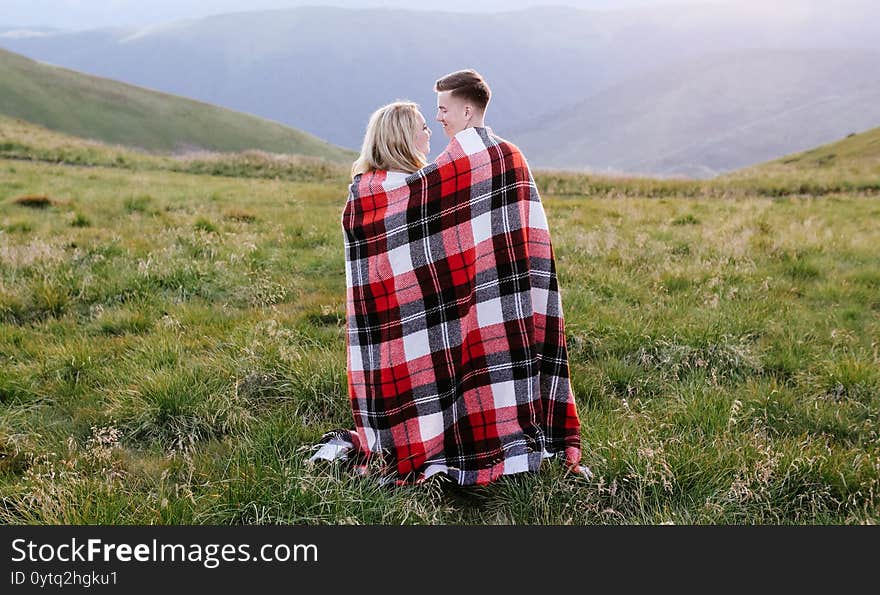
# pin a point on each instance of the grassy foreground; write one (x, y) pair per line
(171, 344)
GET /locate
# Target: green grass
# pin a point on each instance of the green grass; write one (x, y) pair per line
(172, 343)
(25, 141)
(849, 166)
(117, 113)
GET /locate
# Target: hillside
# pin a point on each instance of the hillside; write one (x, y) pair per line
(25, 141)
(852, 163)
(857, 154)
(118, 113)
(856, 172)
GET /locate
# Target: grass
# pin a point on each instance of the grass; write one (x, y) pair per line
(24, 141)
(851, 164)
(172, 343)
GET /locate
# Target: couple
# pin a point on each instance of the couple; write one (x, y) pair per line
(456, 353)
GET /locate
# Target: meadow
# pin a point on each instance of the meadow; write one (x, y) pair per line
(172, 344)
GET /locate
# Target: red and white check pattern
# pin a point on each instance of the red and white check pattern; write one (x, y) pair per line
(457, 360)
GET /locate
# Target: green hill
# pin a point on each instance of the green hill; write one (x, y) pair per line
(118, 113)
(24, 141)
(850, 164)
(856, 154)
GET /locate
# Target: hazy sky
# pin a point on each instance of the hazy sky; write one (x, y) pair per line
(87, 14)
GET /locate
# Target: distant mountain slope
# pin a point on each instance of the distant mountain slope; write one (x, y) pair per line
(106, 110)
(323, 70)
(26, 141)
(713, 114)
(852, 163)
(859, 153)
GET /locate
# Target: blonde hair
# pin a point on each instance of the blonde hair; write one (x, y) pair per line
(389, 143)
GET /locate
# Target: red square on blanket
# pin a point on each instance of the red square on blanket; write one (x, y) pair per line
(482, 423)
(382, 292)
(422, 372)
(448, 184)
(396, 380)
(408, 289)
(493, 339)
(409, 449)
(461, 268)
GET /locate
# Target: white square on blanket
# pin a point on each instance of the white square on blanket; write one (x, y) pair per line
(489, 312)
(357, 362)
(481, 225)
(516, 464)
(372, 437)
(431, 425)
(540, 299)
(394, 179)
(504, 394)
(537, 216)
(470, 141)
(415, 345)
(401, 262)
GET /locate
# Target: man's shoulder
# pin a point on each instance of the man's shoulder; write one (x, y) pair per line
(510, 149)
(506, 145)
(472, 141)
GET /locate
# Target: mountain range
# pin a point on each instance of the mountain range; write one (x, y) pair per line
(712, 114)
(693, 90)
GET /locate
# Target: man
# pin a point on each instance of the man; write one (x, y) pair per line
(515, 290)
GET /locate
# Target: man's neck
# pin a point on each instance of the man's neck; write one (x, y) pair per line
(478, 124)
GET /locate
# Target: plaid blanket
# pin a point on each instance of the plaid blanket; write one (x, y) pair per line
(456, 351)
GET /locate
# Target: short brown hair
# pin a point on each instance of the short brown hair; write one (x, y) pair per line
(467, 84)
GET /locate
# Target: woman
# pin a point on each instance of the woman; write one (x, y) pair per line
(398, 140)
(455, 340)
